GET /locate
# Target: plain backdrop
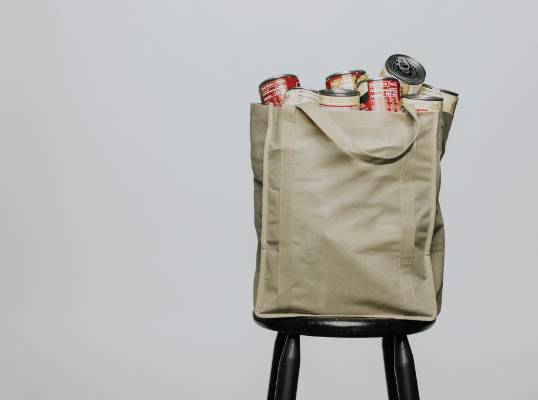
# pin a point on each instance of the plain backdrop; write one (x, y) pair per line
(127, 243)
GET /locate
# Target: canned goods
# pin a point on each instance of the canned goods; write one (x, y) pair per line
(339, 99)
(450, 99)
(345, 80)
(272, 90)
(423, 103)
(407, 70)
(299, 95)
(380, 94)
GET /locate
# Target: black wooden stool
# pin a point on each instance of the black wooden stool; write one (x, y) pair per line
(399, 363)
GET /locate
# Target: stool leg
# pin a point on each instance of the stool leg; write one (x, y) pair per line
(277, 352)
(288, 369)
(404, 367)
(388, 357)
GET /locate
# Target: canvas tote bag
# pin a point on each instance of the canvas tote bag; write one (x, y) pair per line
(347, 212)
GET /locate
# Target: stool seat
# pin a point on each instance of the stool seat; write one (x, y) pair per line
(343, 327)
(397, 355)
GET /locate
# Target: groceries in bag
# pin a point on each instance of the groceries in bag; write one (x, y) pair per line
(423, 103)
(380, 94)
(339, 99)
(346, 80)
(407, 70)
(401, 83)
(450, 99)
(272, 90)
(299, 95)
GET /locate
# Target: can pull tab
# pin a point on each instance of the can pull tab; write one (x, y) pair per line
(403, 66)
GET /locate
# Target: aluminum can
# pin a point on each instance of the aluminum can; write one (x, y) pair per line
(346, 79)
(423, 103)
(450, 99)
(380, 94)
(299, 95)
(272, 90)
(407, 70)
(339, 99)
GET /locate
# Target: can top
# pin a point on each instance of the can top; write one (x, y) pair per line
(302, 88)
(352, 71)
(406, 69)
(422, 97)
(440, 90)
(338, 92)
(278, 77)
(382, 78)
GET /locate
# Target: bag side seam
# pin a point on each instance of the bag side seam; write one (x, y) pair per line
(265, 188)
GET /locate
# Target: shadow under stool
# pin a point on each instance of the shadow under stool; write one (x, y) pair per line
(399, 364)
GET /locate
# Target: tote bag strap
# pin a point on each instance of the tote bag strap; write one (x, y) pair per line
(346, 144)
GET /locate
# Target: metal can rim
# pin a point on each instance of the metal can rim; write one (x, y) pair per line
(383, 78)
(278, 77)
(351, 71)
(338, 92)
(440, 90)
(413, 81)
(422, 97)
(303, 88)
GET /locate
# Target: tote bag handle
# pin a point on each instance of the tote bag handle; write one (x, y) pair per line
(346, 144)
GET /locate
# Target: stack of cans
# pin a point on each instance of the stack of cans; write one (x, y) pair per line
(399, 87)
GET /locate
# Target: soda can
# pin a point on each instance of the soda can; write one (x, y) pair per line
(299, 95)
(272, 90)
(450, 99)
(407, 70)
(423, 103)
(346, 80)
(339, 99)
(380, 94)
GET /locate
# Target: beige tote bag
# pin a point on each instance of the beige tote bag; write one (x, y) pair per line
(347, 213)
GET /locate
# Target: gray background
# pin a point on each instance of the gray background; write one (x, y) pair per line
(127, 244)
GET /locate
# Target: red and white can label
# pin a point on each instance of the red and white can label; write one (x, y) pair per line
(345, 80)
(273, 91)
(298, 95)
(339, 103)
(380, 95)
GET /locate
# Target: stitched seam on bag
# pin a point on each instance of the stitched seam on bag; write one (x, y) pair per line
(291, 167)
(412, 272)
(400, 267)
(285, 274)
(435, 177)
(265, 188)
(279, 277)
(407, 256)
